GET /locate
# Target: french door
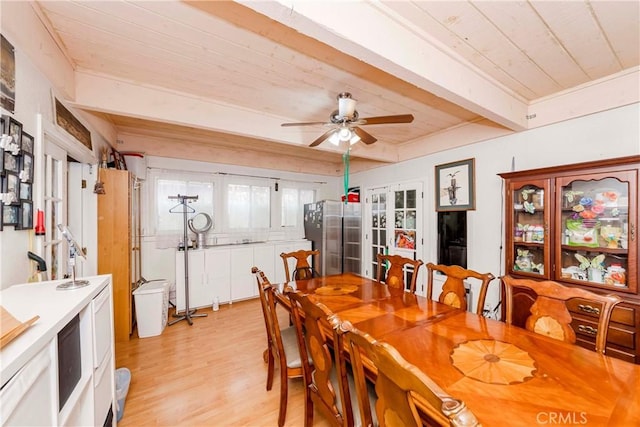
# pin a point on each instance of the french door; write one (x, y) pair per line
(55, 212)
(393, 225)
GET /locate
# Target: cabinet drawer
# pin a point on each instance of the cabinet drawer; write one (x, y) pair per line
(586, 328)
(621, 313)
(101, 309)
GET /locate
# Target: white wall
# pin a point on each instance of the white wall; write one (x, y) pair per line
(613, 133)
(158, 262)
(23, 29)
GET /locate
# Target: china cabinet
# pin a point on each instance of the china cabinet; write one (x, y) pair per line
(577, 225)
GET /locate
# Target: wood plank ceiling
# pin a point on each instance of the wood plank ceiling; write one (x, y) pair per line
(213, 80)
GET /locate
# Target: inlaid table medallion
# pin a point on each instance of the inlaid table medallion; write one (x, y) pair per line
(493, 362)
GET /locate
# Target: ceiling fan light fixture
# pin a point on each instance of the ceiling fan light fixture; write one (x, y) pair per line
(345, 134)
(354, 139)
(335, 139)
(346, 107)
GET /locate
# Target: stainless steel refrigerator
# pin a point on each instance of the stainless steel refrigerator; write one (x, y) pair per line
(335, 229)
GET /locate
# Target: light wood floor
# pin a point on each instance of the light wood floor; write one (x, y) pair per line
(208, 374)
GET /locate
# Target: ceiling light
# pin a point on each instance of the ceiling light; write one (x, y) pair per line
(344, 134)
(355, 138)
(335, 139)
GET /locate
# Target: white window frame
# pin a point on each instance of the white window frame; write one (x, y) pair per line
(172, 175)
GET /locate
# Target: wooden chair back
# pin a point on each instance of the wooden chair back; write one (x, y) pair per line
(279, 343)
(303, 269)
(453, 291)
(399, 385)
(318, 340)
(394, 276)
(549, 313)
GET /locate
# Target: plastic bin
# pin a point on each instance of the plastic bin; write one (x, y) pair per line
(123, 379)
(152, 305)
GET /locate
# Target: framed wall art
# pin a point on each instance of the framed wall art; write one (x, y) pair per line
(14, 128)
(27, 143)
(455, 186)
(26, 191)
(67, 121)
(26, 168)
(12, 186)
(7, 75)
(11, 162)
(1, 149)
(10, 214)
(25, 219)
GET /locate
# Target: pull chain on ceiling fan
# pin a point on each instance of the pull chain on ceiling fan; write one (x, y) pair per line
(345, 123)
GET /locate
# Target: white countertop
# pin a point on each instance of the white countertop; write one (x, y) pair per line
(55, 308)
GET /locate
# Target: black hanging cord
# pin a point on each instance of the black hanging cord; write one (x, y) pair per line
(185, 209)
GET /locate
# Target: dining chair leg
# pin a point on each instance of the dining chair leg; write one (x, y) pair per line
(269, 359)
(284, 382)
(308, 408)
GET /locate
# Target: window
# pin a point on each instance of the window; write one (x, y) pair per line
(166, 218)
(292, 205)
(452, 238)
(248, 206)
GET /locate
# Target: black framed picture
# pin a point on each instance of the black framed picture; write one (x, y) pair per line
(14, 129)
(25, 219)
(26, 191)
(26, 168)
(8, 75)
(10, 214)
(11, 186)
(455, 186)
(2, 122)
(27, 143)
(11, 162)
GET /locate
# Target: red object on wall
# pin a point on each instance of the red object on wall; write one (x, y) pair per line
(40, 223)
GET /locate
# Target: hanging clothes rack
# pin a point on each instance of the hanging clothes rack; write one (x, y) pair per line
(185, 209)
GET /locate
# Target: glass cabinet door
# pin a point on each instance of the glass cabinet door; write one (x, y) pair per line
(529, 240)
(595, 233)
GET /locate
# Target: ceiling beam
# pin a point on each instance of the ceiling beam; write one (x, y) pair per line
(114, 96)
(402, 50)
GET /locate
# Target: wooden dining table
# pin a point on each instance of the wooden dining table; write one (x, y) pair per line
(505, 374)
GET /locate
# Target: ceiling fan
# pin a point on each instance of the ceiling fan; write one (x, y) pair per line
(345, 123)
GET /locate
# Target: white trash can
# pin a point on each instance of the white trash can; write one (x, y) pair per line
(152, 305)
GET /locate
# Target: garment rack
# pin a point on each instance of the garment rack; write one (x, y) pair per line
(186, 209)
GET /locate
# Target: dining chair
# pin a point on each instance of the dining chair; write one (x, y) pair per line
(453, 291)
(549, 313)
(326, 382)
(394, 266)
(406, 396)
(282, 343)
(303, 269)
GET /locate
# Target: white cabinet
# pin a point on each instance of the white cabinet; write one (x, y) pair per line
(225, 271)
(218, 271)
(264, 257)
(34, 382)
(209, 276)
(243, 283)
(32, 391)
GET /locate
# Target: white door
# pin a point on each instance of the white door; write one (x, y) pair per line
(55, 210)
(393, 224)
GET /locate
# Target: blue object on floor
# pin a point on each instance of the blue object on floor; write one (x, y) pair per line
(123, 379)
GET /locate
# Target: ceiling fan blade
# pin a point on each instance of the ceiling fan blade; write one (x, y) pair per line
(323, 137)
(364, 136)
(305, 124)
(400, 118)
